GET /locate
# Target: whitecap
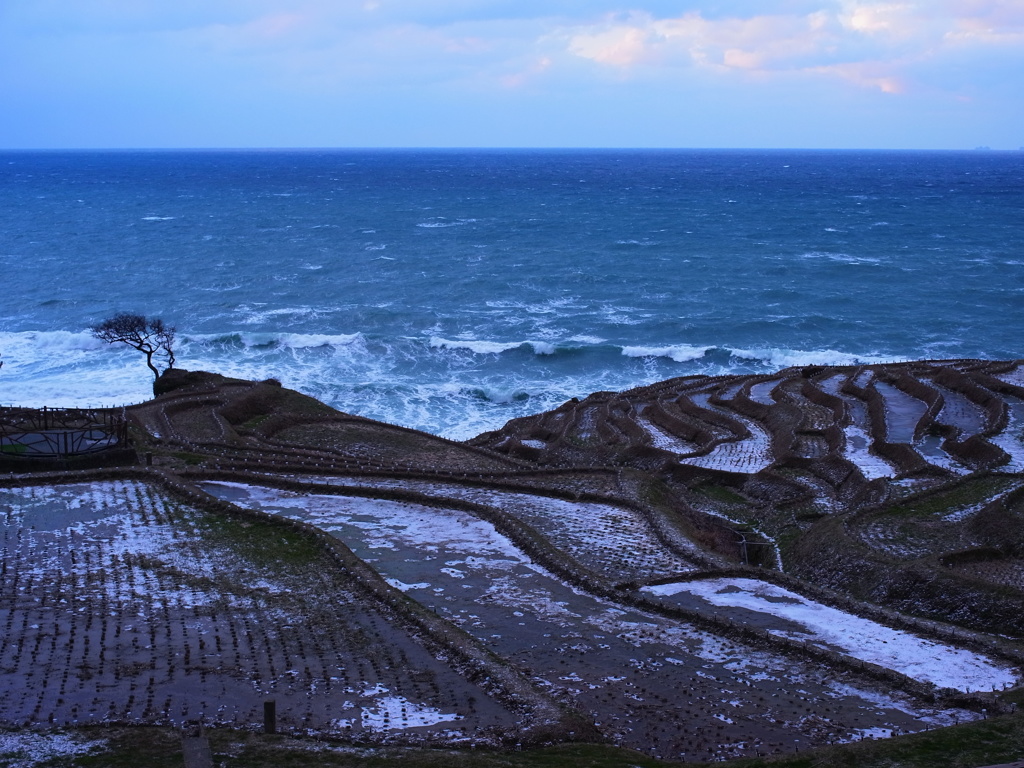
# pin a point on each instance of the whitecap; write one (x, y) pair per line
(158, 218)
(795, 358)
(26, 345)
(680, 353)
(491, 347)
(261, 316)
(300, 340)
(441, 222)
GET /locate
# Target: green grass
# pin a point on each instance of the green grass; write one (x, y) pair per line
(189, 458)
(161, 748)
(279, 548)
(971, 492)
(722, 494)
(255, 421)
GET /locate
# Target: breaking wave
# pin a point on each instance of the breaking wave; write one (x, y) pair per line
(385, 307)
(492, 347)
(681, 353)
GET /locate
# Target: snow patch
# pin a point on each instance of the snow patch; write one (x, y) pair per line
(926, 660)
(26, 749)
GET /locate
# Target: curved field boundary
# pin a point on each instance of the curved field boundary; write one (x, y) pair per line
(544, 721)
(538, 549)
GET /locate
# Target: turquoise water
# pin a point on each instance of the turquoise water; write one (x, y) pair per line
(453, 290)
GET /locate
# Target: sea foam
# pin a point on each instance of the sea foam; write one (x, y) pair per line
(681, 353)
(492, 347)
(625, 280)
(791, 358)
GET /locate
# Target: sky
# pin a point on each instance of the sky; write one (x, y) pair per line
(931, 74)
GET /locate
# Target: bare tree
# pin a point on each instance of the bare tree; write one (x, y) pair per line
(148, 335)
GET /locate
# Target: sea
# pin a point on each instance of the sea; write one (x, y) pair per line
(453, 290)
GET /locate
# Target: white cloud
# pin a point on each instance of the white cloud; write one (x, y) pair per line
(872, 44)
(560, 65)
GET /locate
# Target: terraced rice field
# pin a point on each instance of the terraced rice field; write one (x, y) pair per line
(902, 413)
(617, 542)
(663, 440)
(1011, 439)
(652, 683)
(858, 452)
(1007, 572)
(761, 392)
(119, 604)
(959, 412)
(930, 448)
(812, 622)
(749, 455)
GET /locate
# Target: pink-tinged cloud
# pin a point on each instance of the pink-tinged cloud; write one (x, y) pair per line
(866, 75)
(755, 43)
(521, 78)
(618, 46)
(870, 44)
(890, 19)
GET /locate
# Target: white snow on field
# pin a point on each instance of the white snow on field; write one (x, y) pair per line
(388, 523)
(959, 514)
(390, 713)
(663, 440)
(587, 425)
(749, 455)
(401, 586)
(616, 540)
(926, 660)
(1016, 376)
(871, 466)
(117, 519)
(26, 749)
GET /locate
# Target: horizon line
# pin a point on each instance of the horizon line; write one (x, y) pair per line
(502, 148)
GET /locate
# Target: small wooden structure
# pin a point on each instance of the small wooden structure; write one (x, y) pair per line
(60, 433)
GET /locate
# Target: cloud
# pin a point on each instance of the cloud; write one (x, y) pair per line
(892, 19)
(522, 77)
(532, 66)
(871, 44)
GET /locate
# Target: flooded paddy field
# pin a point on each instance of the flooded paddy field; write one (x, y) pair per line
(651, 683)
(120, 604)
(615, 541)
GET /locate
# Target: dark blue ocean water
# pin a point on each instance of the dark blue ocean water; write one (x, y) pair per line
(453, 290)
